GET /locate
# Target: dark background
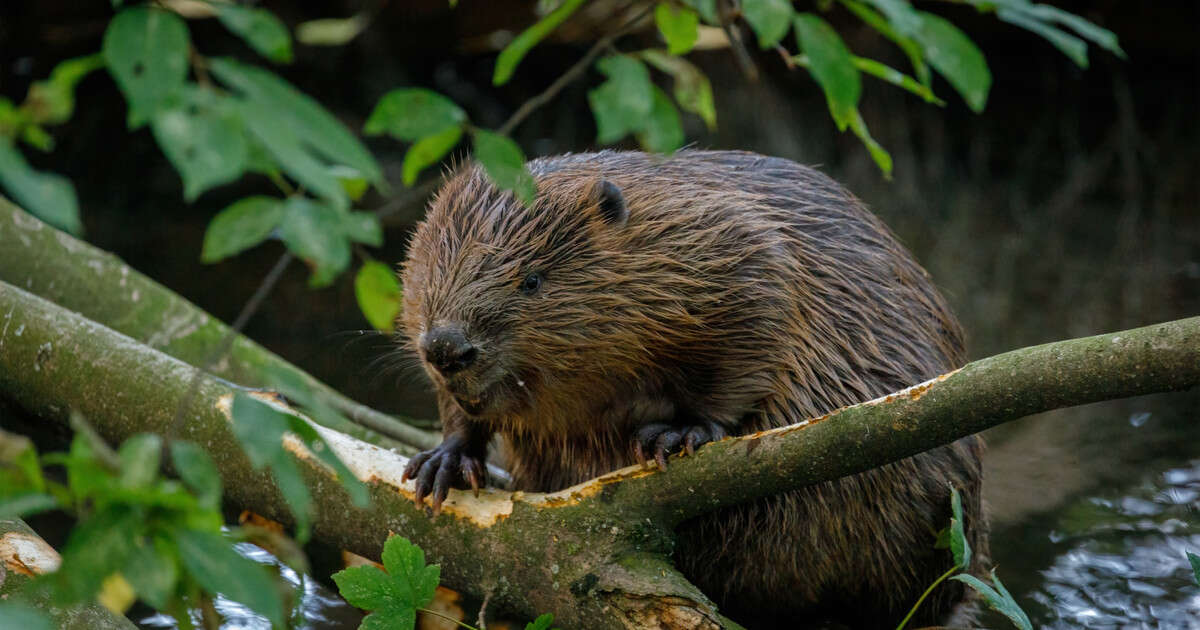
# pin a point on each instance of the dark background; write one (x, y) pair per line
(1070, 207)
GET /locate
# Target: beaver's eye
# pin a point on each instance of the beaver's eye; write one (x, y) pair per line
(531, 283)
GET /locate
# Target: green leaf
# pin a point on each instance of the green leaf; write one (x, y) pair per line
(240, 226)
(50, 197)
(998, 599)
(900, 13)
(331, 31)
(958, 537)
(202, 140)
(707, 10)
(622, 103)
(882, 158)
(910, 47)
(770, 19)
(146, 50)
(692, 88)
(212, 561)
(956, 57)
(19, 504)
(516, 50)
(287, 150)
(1069, 45)
(413, 113)
(139, 460)
(317, 446)
(260, 429)
(18, 614)
(405, 563)
(365, 586)
(679, 26)
(663, 131)
(97, 547)
(52, 101)
(37, 137)
(260, 28)
(504, 163)
(897, 78)
(1195, 560)
(314, 232)
(1102, 37)
(152, 569)
(353, 183)
(363, 227)
(541, 623)
(198, 472)
(942, 540)
(429, 150)
(831, 65)
(307, 119)
(379, 294)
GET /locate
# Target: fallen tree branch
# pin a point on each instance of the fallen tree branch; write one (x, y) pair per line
(595, 554)
(97, 284)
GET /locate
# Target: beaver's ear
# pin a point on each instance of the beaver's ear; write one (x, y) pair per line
(611, 202)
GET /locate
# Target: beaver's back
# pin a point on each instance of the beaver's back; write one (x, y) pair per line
(785, 299)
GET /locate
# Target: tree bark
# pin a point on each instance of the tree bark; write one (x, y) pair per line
(596, 554)
(98, 285)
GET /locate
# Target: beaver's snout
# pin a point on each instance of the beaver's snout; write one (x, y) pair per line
(448, 350)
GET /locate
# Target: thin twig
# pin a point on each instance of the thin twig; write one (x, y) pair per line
(572, 73)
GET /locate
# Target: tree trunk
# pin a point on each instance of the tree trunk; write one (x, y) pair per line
(596, 554)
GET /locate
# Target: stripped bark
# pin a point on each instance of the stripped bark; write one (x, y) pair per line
(596, 554)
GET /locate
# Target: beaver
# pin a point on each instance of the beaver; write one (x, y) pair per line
(645, 305)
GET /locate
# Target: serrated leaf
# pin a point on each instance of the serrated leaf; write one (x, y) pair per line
(363, 227)
(365, 586)
(197, 470)
(428, 151)
(504, 164)
(53, 101)
(379, 295)
(260, 28)
(331, 31)
(202, 140)
(314, 232)
(678, 25)
(693, 91)
(139, 460)
(1195, 562)
(622, 103)
(831, 65)
(955, 57)
(882, 158)
(307, 119)
(543, 622)
(146, 50)
(48, 196)
(240, 226)
(662, 131)
(413, 113)
(770, 19)
(1073, 47)
(212, 561)
(958, 536)
(405, 563)
(999, 599)
(17, 614)
(152, 570)
(515, 51)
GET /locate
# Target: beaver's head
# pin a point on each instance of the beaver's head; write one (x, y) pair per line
(505, 303)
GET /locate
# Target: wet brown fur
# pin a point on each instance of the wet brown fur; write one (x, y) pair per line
(744, 290)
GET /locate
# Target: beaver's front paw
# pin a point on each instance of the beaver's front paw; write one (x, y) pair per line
(437, 469)
(661, 440)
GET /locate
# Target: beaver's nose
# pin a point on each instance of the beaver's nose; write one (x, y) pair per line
(448, 350)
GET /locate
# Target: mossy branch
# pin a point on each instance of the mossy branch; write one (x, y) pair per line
(595, 554)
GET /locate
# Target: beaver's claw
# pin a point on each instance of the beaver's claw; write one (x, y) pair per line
(661, 440)
(438, 469)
